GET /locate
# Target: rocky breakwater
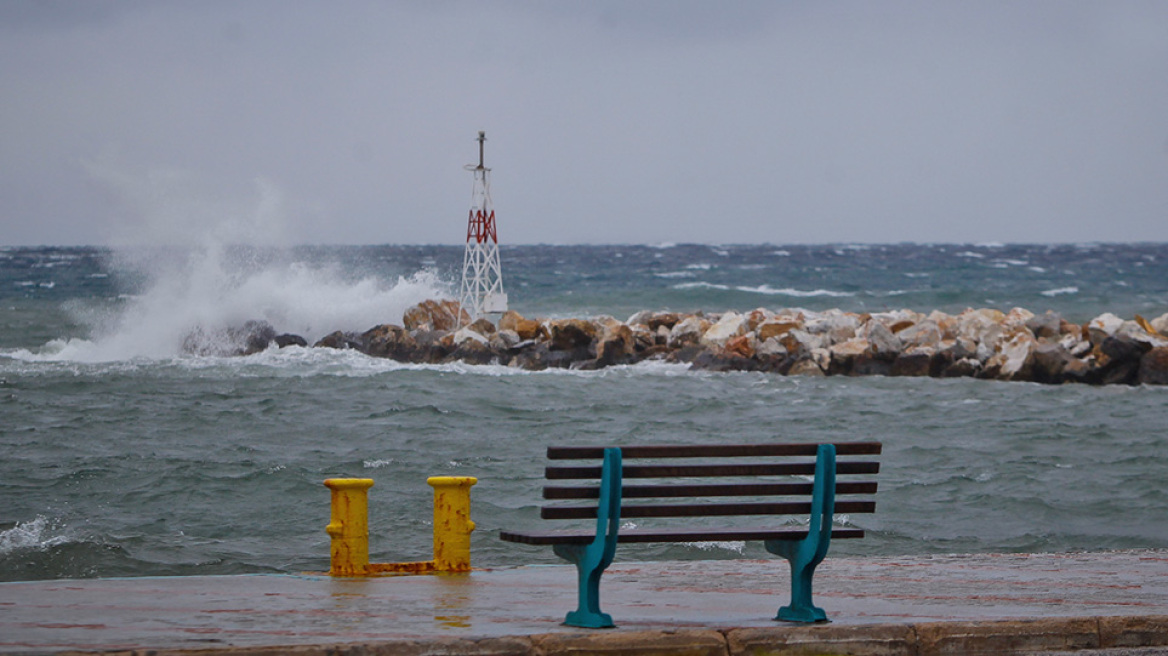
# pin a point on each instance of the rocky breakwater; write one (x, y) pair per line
(983, 343)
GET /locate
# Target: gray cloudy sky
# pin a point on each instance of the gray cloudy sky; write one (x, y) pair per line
(607, 121)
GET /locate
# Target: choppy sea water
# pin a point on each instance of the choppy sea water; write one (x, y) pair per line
(124, 457)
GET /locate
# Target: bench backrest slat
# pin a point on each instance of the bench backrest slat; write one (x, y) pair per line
(706, 509)
(707, 490)
(711, 450)
(734, 469)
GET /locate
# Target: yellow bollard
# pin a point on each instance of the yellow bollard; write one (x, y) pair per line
(452, 523)
(349, 526)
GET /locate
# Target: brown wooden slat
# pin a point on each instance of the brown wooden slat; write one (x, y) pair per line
(674, 535)
(631, 511)
(687, 471)
(710, 450)
(707, 490)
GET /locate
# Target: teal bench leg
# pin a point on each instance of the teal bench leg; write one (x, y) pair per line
(804, 555)
(592, 559)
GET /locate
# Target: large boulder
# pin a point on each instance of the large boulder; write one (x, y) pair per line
(341, 340)
(1102, 327)
(732, 324)
(1045, 326)
(799, 342)
(1017, 356)
(834, 325)
(1119, 359)
(717, 359)
(926, 333)
(654, 320)
(616, 345)
(1048, 363)
(964, 367)
(525, 328)
(946, 323)
(1160, 324)
(389, 341)
(1017, 318)
(776, 328)
(914, 361)
(570, 334)
(686, 332)
(982, 326)
(806, 366)
(247, 339)
(883, 345)
(742, 346)
(844, 354)
(1154, 367)
(288, 339)
(434, 315)
(472, 347)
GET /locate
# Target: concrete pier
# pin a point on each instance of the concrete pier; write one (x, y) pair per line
(919, 606)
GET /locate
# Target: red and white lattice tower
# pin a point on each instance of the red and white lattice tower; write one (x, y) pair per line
(482, 277)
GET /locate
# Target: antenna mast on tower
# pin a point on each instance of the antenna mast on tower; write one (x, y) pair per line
(482, 276)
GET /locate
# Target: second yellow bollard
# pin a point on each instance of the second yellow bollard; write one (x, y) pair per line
(452, 523)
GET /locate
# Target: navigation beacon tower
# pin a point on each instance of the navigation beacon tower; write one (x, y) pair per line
(482, 277)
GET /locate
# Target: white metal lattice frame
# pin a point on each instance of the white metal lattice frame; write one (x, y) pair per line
(482, 275)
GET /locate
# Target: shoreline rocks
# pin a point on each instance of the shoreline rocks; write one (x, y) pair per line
(983, 343)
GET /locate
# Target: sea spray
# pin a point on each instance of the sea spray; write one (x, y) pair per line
(210, 290)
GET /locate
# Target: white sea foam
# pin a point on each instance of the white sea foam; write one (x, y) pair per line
(787, 291)
(764, 289)
(737, 547)
(39, 533)
(971, 254)
(1060, 291)
(675, 274)
(701, 285)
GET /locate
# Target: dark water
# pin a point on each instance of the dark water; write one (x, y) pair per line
(123, 457)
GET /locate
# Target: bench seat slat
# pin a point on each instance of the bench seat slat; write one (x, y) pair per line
(707, 490)
(711, 450)
(705, 509)
(674, 535)
(695, 471)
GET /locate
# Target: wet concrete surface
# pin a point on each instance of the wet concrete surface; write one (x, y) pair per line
(202, 612)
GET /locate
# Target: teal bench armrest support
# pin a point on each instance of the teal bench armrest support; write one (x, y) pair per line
(805, 554)
(592, 559)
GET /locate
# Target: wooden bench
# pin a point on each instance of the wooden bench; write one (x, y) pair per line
(779, 488)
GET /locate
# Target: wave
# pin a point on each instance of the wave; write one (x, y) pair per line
(40, 533)
(1060, 291)
(764, 289)
(207, 292)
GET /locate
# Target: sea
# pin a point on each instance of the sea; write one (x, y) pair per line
(122, 455)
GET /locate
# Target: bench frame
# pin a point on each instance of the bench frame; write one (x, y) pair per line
(593, 552)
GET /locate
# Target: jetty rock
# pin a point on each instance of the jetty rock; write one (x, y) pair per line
(986, 343)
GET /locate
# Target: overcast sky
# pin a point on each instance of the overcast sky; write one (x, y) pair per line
(607, 121)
